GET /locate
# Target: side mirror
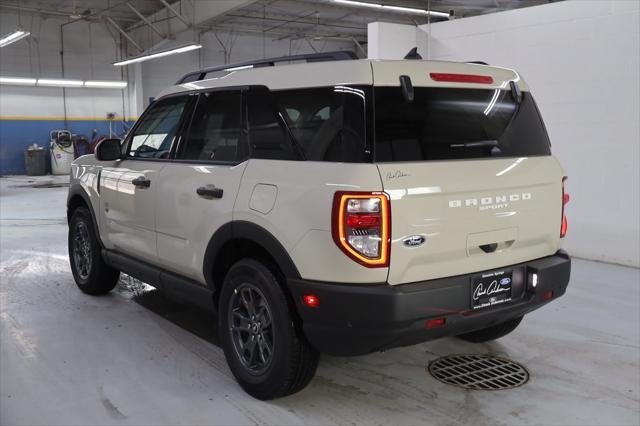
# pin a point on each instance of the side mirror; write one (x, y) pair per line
(108, 150)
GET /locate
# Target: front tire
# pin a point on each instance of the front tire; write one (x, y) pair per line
(491, 333)
(92, 275)
(266, 354)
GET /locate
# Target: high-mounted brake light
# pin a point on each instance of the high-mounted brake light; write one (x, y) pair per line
(461, 78)
(361, 226)
(565, 201)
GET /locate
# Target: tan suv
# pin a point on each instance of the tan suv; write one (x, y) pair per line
(335, 205)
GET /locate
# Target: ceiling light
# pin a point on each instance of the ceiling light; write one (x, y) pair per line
(384, 7)
(59, 82)
(13, 37)
(106, 84)
(149, 56)
(20, 81)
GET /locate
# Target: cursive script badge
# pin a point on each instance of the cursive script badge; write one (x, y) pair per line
(490, 290)
(396, 175)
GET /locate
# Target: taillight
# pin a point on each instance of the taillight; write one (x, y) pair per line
(461, 78)
(565, 201)
(361, 226)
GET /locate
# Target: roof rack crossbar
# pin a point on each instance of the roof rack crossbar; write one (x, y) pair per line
(269, 62)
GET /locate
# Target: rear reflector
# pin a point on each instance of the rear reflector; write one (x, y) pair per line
(310, 300)
(461, 78)
(435, 323)
(547, 295)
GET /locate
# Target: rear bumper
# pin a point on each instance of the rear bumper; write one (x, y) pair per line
(359, 319)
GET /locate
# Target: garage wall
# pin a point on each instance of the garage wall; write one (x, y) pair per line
(27, 114)
(160, 74)
(581, 59)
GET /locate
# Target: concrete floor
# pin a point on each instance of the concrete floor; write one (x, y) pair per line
(134, 357)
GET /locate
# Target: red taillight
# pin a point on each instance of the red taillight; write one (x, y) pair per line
(361, 226)
(435, 323)
(547, 295)
(461, 78)
(310, 300)
(565, 201)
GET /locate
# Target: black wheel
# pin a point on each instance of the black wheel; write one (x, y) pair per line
(265, 352)
(491, 333)
(91, 273)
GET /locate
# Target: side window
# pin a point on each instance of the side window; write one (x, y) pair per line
(158, 128)
(215, 131)
(328, 123)
(268, 137)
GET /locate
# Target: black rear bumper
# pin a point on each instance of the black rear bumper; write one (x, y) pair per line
(358, 319)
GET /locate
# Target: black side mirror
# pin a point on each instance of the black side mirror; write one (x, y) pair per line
(108, 150)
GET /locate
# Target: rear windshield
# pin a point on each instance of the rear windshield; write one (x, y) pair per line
(450, 124)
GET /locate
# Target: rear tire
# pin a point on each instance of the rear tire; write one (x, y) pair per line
(267, 355)
(92, 275)
(491, 333)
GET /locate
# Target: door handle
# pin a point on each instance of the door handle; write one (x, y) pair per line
(141, 182)
(209, 191)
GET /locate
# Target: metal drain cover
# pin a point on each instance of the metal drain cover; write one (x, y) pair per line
(479, 372)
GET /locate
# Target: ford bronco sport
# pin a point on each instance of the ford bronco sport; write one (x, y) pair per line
(333, 206)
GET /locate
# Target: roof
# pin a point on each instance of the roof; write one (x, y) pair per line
(353, 72)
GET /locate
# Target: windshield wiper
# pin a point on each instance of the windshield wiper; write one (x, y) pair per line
(477, 144)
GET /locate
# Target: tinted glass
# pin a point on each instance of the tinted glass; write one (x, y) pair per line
(329, 123)
(215, 130)
(268, 137)
(157, 129)
(443, 124)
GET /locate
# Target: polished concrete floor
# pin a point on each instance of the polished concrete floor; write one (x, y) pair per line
(135, 357)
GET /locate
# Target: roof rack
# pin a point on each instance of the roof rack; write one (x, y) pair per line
(312, 57)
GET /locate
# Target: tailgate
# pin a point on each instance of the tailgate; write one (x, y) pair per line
(472, 215)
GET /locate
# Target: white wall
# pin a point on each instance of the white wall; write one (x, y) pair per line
(89, 51)
(393, 41)
(581, 60)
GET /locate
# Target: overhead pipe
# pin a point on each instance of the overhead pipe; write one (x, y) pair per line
(145, 20)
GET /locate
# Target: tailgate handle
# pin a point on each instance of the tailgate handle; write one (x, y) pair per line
(490, 248)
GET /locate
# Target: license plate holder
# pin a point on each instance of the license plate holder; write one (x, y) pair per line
(491, 288)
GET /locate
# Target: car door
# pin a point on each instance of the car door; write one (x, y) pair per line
(199, 187)
(128, 189)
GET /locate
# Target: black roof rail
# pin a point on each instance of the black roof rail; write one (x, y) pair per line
(311, 57)
(477, 62)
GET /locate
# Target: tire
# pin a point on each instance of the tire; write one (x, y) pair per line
(491, 333)
(283, 362)
(92, 275)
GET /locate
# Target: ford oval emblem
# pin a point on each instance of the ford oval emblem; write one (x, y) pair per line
(505, 281)
(414, 241)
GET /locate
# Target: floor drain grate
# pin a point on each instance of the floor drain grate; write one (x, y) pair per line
(479, 372)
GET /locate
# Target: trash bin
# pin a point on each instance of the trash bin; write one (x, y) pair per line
(35, 160)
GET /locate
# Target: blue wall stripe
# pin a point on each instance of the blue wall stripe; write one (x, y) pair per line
(16, 135)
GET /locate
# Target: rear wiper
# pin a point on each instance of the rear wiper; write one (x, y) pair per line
(477, 144)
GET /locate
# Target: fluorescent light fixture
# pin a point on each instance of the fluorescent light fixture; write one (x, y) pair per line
(389, 8)
(243, 67)
(106, 84)
(59, 82)
(142, 58)
(19, 81)
(13, 37)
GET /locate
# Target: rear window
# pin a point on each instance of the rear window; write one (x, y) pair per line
(450, 124)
